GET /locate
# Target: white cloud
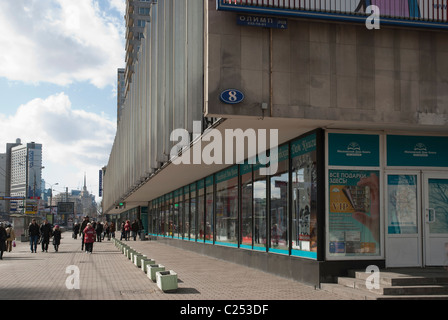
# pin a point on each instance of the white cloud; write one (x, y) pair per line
(61, 41)
(73, 141)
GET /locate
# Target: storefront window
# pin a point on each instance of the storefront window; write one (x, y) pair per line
(279, 203)
(246, 204)
(186, 213)
(227, 206)
(260, 204)
(193, 212)
(209, 223)
(176, 214)
(304, 197)
(201, 210)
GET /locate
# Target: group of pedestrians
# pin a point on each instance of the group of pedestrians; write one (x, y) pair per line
(42, 234)
(91, 232)
(128, 229)
(7, 239)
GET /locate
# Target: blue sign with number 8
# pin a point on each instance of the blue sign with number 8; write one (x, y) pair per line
(232, 96)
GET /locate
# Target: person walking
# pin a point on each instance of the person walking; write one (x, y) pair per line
(34, 233)
(127, 229)
(46, 232)
(57, 235)
(123, 232)
(106, 231)
(76, 230)
(81, 230)
(89, 237)
(11, 238)
(99, 231)
(112, 230)
(134, 229)
(3, 237)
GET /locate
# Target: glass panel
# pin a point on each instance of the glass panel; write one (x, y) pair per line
(402, 204)
(209, 223)
(227, 206)
(186, 213)
(246, 205)
(304, 197)
(438, 205)
(354, 213)
(193, 212)
(279, 203)
(201, 211)
(260, 202)
(176, 203)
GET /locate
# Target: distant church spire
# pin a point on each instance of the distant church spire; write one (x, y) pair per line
(85, 186)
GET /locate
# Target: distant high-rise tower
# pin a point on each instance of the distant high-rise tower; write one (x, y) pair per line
(26, 170)
(137, 14)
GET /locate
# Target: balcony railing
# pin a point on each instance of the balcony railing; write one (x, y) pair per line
(427, 13)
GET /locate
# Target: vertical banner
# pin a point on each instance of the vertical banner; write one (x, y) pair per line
(354, 217)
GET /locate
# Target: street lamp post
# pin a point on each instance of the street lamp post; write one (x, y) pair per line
(51, 194)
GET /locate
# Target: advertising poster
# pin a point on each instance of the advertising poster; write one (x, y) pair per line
(354, 226)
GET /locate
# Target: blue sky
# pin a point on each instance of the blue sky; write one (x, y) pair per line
(58, 70)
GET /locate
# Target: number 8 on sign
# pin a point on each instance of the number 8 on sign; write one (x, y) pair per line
(232, 96)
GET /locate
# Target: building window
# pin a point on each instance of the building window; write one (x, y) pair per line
(246, 205)
(144, 11)
(227, 206)
(201, 210)
(259, 205)
(186, 213)
(304, 197)
(279, 203)
(141, 23)
(209, 210)
(193, 212)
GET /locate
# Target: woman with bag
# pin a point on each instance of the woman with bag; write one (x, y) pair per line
(89, 237)
(10, 241)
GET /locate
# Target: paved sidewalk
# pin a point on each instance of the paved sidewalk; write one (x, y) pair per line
(108, 275)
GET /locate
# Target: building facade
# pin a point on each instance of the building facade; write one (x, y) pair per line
(341, 127)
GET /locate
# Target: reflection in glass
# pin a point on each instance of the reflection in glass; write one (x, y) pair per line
(246, 207)
(279, 207)
(260, 198)
(227, 210)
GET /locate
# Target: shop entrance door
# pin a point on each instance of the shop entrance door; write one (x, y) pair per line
(435, 204)
(416, 219)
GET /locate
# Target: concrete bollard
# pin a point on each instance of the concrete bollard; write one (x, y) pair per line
(137, 259)
(152, 269)
(145, 263)
(166, 280)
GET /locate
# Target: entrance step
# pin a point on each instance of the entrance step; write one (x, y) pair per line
(394, 284)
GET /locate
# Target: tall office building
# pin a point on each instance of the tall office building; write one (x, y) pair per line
(26, 170)
(137, 14)
(2, 181)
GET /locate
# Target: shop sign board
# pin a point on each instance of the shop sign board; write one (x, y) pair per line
(359, 150)
(417, 151)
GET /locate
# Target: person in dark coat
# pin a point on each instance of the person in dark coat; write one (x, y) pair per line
(46, 232)
(57, 235)
(34, 233)
(3, 237)
(81, 231)
(76, 230)
(99, 231)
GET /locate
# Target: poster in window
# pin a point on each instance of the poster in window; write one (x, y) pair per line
(354, 219)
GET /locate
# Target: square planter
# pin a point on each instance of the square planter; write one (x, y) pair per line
(166, 280)
(145, 262)
(137, 259)
(152, 269)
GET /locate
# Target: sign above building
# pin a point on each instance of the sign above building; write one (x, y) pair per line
(262, 21)
(411, 13)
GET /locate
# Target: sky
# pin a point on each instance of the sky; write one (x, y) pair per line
(58, 83)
